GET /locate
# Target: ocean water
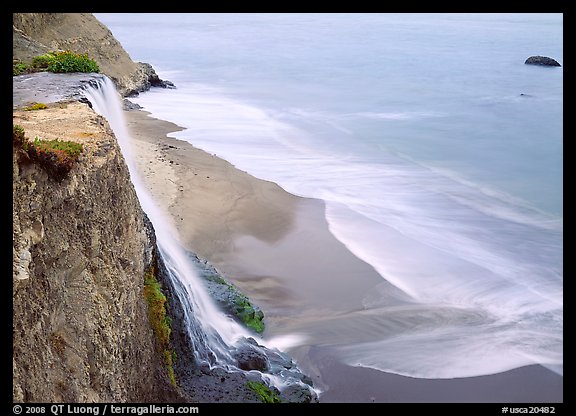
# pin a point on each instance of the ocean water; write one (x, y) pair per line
(437, 151)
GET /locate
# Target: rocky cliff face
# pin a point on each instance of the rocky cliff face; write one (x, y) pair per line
(80, 250)
(38, 33)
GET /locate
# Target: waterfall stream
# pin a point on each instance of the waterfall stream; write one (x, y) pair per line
(216, 338)
(219, 333)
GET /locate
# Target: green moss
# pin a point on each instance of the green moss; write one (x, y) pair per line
(170, 358)
(216, 278)
(157, 308)
(238, 303)
(266, 395)
(251, 317)
(160, 321)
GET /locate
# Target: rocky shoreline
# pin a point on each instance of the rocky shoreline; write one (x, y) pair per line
(202, 382)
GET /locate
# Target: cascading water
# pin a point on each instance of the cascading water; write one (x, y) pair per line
(212, 334)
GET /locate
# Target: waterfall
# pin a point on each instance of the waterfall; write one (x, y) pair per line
(213, 334)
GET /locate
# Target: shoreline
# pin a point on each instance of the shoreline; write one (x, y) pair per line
(218, 201)
(277, 249)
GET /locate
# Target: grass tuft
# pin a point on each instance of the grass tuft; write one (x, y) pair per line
(56, 157)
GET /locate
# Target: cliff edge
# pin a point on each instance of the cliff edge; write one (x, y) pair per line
(81, 247)
(37, 33)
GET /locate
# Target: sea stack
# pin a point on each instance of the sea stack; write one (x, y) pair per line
(541, 60)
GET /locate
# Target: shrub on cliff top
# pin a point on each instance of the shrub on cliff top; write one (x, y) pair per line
(66, 61)
(19, 68)
(42, 61)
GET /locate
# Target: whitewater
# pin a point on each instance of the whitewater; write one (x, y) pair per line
(437, 152)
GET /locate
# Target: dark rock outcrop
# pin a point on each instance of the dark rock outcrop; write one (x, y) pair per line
(541, 60)
(251, 357)
(149, 78)
(228, 297)
(128, 105)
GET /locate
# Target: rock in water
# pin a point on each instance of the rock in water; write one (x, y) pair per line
(541, 60)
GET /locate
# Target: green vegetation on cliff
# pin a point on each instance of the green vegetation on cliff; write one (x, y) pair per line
(36, 106)
(56, 157)
(253, 318)
(232, 300)
(58, 61)
(160, 321)
(70, 62)
(19, 68)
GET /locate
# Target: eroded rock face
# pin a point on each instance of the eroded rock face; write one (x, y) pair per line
(541, 60)
(81, 246)
(37, 33)
(149, 79)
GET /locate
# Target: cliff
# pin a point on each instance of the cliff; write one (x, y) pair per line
(38, 33)
(81, 247)
(89, 322)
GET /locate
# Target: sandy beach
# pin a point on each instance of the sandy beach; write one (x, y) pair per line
(261, 237)
(278, 249)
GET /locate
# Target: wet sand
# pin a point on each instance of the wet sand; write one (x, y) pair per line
(278, 249)
(531, 384)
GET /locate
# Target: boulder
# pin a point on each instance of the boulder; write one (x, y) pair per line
(251, 357)
(541, 60)
(296, 394)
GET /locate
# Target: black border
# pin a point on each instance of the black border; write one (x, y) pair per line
(336, 7)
